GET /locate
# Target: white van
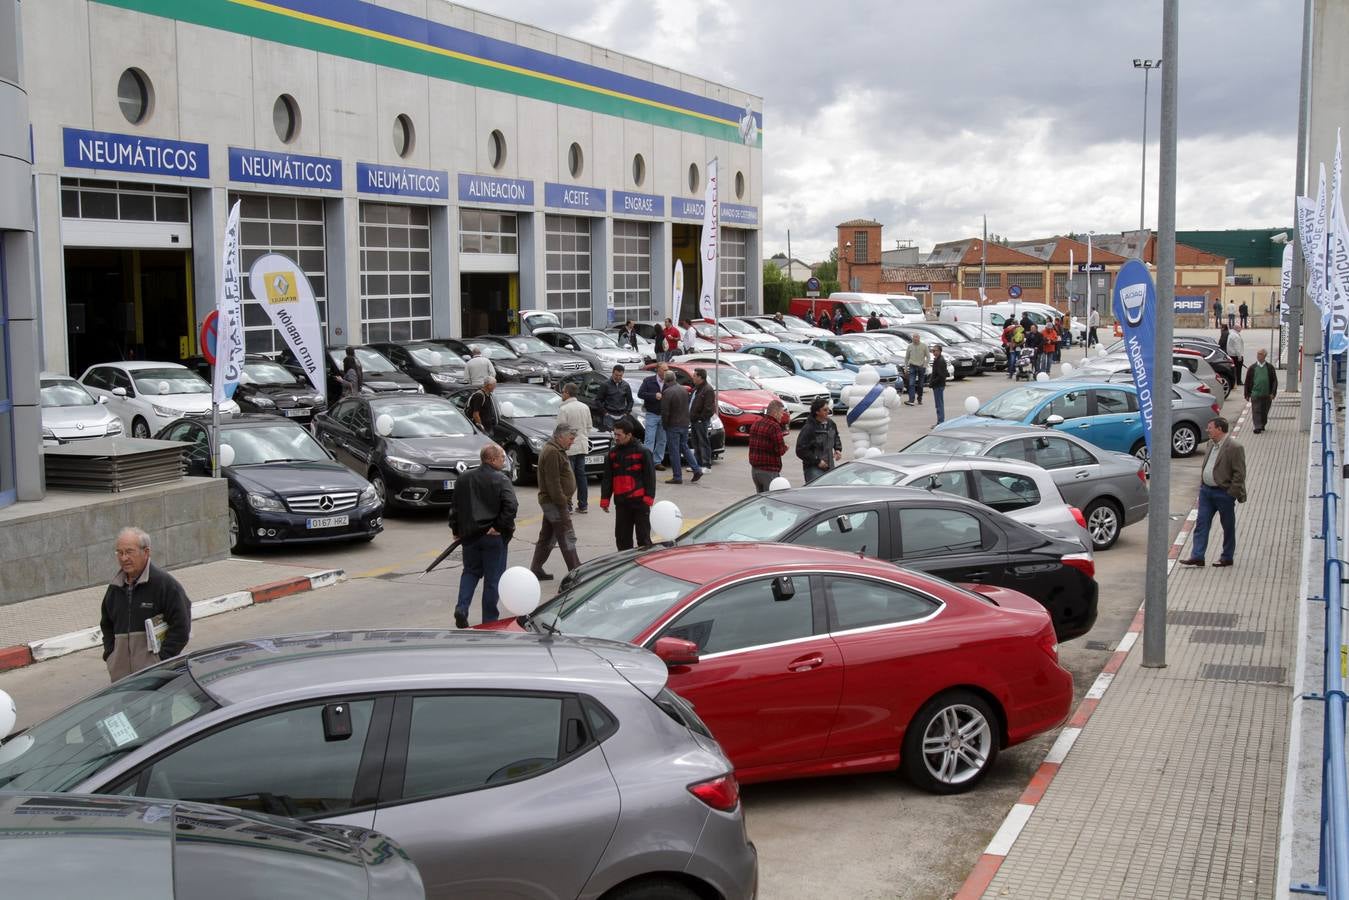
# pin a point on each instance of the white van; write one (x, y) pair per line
(909, 307)
(959, 311)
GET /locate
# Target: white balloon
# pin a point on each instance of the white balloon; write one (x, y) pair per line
(1100, 350)
(869, 452)
(1067, 369)
(518, 591)
(507, 409)
(971, 404)
(163, 388)
(16, 747)
(666, 520)
(1042, 376)
(384, 425)
(779, 484)
(754, 372)
(9, 714)
(226, 454)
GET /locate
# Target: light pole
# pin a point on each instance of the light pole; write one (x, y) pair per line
(1147, 65)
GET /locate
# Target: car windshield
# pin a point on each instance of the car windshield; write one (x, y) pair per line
(864, 308)
(946, 332)
(726, 378)
(429, 419)
(169, 381)
(771, 326)
(56, 754)
(64, 392)
(592, 341)
(266, 373)
(755, 519)
(618, 605)
(370, 360)
(526, 404)
(860, 352)
(892, 344)
(1014, 405)
(767, 368)
(797, 323)
(945, 445)
(907, 305)
(530, 344)
(434, 356)
(282, 442)
(734, 326)
(814, 360)
(855, 472)
(543, 320)
(491, 350)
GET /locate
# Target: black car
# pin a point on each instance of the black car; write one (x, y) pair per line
(283, 487)
(947, 536)
(429, 443)
(266, 386)
(509, 366)
(1222, 364)
(526, 417)
(588, 386)
(435, 367)
(60, 845)
(995, 357)
(559, 363)
(378, 374)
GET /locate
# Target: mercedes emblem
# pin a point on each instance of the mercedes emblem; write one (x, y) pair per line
(325, 503)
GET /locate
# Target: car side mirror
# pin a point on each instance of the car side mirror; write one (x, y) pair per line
(102, 400)
(1054, 420)
(465, 358)
(784, 588)
(675, 651)
(119, 392)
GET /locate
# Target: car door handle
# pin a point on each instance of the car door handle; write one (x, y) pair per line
(1129, 421)
(806, 663)
(1082, 474)
(1084, 425)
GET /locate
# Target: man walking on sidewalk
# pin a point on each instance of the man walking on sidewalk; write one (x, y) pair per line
(146, 616)
(1222, 487)
(482, 516)
(766, 447)
(630, 481)
(702, 407)
(674, 415)
(650, 393)
(1261, 387)
(1093, 323)
(556, 486)
(576, 414)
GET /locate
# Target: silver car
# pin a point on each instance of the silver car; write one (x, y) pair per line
(506, 765)
(1116, 369)
(70, 413)
(1110, 488)
(598, 348)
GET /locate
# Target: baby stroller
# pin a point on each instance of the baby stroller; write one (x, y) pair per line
(1025, 364)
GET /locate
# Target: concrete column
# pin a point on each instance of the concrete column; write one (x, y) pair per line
(444, 277)
(601, 269)
(753, 273)
(342, 233)
(662, 268)
(530, 250)
(209, 215)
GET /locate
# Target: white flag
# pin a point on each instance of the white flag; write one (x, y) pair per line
(1337, 260)
(678, 289)
(1316, 279)
(710, 247)
(1306, 228)
(284, 291)
(229, 341)
(1285, 280)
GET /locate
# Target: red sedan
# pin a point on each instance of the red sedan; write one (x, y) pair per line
(815, 662)
(739, 400)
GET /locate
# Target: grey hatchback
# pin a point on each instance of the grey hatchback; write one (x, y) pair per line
(506, 765)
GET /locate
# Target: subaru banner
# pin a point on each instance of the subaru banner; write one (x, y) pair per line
(1136, 306)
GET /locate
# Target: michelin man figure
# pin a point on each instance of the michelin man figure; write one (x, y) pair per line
(869, 404)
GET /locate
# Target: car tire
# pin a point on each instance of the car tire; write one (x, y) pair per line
(515, 466)
(377, 482)
(1227, 385)
(952, 743)
(139, 428)
(652, 889)
(1140, 451)
(1184, 439)
(1104, 521)
(237, 544)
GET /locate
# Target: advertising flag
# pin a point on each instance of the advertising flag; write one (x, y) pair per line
(678, 289)
(1285, 281)
(283, 290)
(710, 247)
(1337, 260)
(1136, 306)
(1306, 228)
(1317, 278)
(229, 344)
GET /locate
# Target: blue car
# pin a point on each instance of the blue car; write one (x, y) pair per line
(853, 351)
(1102, 414)
(808, 362)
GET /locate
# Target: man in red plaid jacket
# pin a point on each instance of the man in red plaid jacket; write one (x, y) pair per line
(766, 446)
(629, 478)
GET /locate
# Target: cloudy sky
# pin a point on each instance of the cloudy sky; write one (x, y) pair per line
(927, 116)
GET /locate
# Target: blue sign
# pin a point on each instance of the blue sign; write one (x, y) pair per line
(1136, 306)
(683, 208)
(289, 169)
(627, 203)
(134, 153)
(486, 189)
(569, 196)
(736, 214)
(1014, 291)
(812, 283)
(399, 181)
(1189, 303)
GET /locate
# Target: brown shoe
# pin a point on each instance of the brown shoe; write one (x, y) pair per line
(661, 467)
(1222, 564)
(1193, 561)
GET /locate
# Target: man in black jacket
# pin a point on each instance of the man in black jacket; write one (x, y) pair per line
(614, 398)
(818, 445)
(146, 616)
(702, 408)
(482, 516)
(650, 393)
(630, 481)
(674, 415)
(937, 382)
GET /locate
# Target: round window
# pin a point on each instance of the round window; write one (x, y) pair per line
(286, 118)
(404, 136)
(575, 160)
(739, 185)
(496, 149)
(693, 178)
(638, 170)
(134, 95)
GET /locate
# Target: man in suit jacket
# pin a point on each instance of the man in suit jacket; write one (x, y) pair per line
(1221, 488)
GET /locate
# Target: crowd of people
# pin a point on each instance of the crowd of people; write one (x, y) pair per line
(1043, 346)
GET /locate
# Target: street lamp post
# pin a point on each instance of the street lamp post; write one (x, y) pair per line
(1147, 65)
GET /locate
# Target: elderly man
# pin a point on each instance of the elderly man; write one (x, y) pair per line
(576, 414)
(674, 415)
(146, 616)
(915, 361)
(479, 368)
(1260, 389)
(1222, 486)
(766, 446)
(482, 517)
(557, 484)
(650, 393)
(482, 409)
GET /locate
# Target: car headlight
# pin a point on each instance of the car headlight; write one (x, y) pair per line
(264, 402)
(536, 443)
(114, 427)
(406, 466)
(368, 495)
(229, 406)
(834, 385)
(789, 398)
(166, 413)
(48, 434)
(728, 409)
(420, 389)
(443, 377)
(265, 503)
(714, 424)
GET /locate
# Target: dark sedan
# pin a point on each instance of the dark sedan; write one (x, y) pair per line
(506, 363)
(559, 363)
(435, 367)
(412, 449)
(283, 487)
(948, 536)
(526, 416)
(379, 376)
(266, 386)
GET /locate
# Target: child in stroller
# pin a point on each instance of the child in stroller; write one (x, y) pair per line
(1025, 363)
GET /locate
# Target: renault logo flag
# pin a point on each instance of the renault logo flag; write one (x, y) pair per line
(284, 292)
(1136, 307)
(229, 345)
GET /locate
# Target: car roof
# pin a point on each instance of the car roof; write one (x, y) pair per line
(912, 461)
(703, 564)
(404, 399)
(784, 346)
(54, 376)
(132, 365)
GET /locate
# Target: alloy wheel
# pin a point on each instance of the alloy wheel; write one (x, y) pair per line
(957, 744)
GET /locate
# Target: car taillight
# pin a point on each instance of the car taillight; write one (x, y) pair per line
(719, 793)
(1082, 562)
(1203, 389)
(1217, 410)
(1049, 643)
(1077, 516)
(1142, 473)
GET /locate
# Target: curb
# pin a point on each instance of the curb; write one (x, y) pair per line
(981, 876)
(21, 655)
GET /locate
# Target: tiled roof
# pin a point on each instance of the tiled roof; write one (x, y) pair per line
(859, 223)
(906, 274)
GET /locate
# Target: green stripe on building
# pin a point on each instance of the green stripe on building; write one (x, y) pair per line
(295, 32)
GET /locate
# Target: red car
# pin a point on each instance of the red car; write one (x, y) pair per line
(739, 400)
(816, 662)
(721, 334)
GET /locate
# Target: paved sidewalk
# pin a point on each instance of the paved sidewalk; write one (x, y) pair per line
(1172, 786)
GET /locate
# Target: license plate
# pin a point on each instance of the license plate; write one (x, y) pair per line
(327, 522)
(447, 484)
(595, 459)
(294, 413)
(534, 380)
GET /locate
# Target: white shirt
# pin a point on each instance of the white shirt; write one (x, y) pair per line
(576, 414)
(1093, 319)
(690, 337)
(479, 369)
(1234, 344)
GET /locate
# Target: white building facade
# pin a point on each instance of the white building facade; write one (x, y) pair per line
(433, 170)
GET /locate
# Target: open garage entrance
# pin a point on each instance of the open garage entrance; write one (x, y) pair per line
(128, 304)
(684, 246)
(489, 302)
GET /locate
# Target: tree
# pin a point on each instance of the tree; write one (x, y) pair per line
(772, 274)
(828, 271)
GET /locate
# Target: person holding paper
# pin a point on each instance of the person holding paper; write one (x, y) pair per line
(146, 615)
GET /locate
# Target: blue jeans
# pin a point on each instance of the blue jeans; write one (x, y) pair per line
(655, 437)
(578, 468)
(484, 560)
(1011, 361)
(677, 439)
(1215, 500)
(916, 374)
(939, 401)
